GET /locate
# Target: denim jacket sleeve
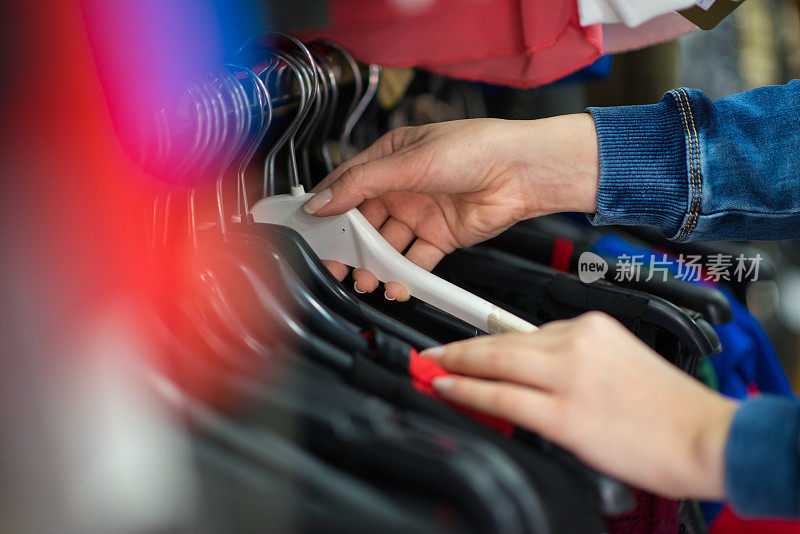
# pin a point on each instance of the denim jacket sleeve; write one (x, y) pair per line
(762, 458)
(698, 169)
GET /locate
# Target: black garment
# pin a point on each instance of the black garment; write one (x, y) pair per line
(566, 497)
(539, 295)
(239, 495)
(429, 320)
(331, 292)
(375, 441)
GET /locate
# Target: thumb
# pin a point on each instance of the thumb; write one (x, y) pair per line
(359, 183)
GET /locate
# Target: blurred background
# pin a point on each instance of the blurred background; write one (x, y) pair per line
(88, 442)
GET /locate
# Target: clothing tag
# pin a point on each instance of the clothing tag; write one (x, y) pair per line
(708, 13)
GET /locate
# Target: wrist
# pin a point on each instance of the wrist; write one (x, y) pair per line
(562, 164)
(586, 173)
(708, 449)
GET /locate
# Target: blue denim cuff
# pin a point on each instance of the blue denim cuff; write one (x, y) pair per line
(762, 457)
(643, 171)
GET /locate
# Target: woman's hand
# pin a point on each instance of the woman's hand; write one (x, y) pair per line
(591, 386)
(435, 188)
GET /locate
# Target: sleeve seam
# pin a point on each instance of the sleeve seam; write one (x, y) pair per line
(695, 176)
(697, 206)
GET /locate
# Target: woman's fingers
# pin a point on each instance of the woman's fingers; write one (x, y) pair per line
(397, 233)
(512, 357)
(530, 408)
(396, 291)
(425, 254)
(337, 269)
(365, 281)
(384, 146)
(375, 212)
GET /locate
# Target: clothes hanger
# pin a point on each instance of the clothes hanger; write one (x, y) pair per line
(619, 498)
(308, 85)
(542, 241)
(328, 78)
(310, 266)
(256, 463)
(350, 239)
(767, 271)
(329, 290)
(351, 108)
(263, 104)
(313, 121)
(373, 78)
(288, 134)
(220, 113)
(434, 322)
(543, 294)
(322, 321)
(438, 460)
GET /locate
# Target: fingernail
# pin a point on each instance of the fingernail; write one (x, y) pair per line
(355, 286)
(318, 201)
(386, 296)
(433, 353)
(443, 383)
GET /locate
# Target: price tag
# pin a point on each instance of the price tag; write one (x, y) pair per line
(708, 13)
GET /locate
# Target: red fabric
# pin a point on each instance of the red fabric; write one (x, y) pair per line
(652, 515)
(523, 43)
(562, 254)
(727, 522)
(423, 371)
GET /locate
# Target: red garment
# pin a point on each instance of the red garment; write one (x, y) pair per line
(727, 522)
(652, 515)
(522, 43)
(423, 371)
(562, 254)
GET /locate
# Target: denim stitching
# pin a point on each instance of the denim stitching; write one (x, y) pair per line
(695, 208)
(691, 159)
(694, 160)
(678, 97)
(694, 155)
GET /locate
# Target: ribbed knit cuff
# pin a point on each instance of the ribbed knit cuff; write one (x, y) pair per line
(643, 171)
(762, 457)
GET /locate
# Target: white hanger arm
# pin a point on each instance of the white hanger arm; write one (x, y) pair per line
(349, 238)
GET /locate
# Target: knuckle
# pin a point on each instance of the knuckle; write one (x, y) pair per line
(597, 321)
(346, 179)
(400, 137)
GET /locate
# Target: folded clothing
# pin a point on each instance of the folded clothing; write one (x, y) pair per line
(521, 43)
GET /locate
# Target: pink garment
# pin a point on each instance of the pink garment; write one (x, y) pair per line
(521, 43)
(620, 38)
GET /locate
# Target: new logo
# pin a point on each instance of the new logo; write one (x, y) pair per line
(591, 267)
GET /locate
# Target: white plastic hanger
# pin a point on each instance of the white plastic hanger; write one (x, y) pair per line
(349, 238)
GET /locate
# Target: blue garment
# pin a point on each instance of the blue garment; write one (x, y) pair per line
(747, 357)
(698, 169)
(601, 68)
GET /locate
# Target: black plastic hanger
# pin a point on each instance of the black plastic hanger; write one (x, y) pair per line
(537, 240)
(330, 291)
(542, 294)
